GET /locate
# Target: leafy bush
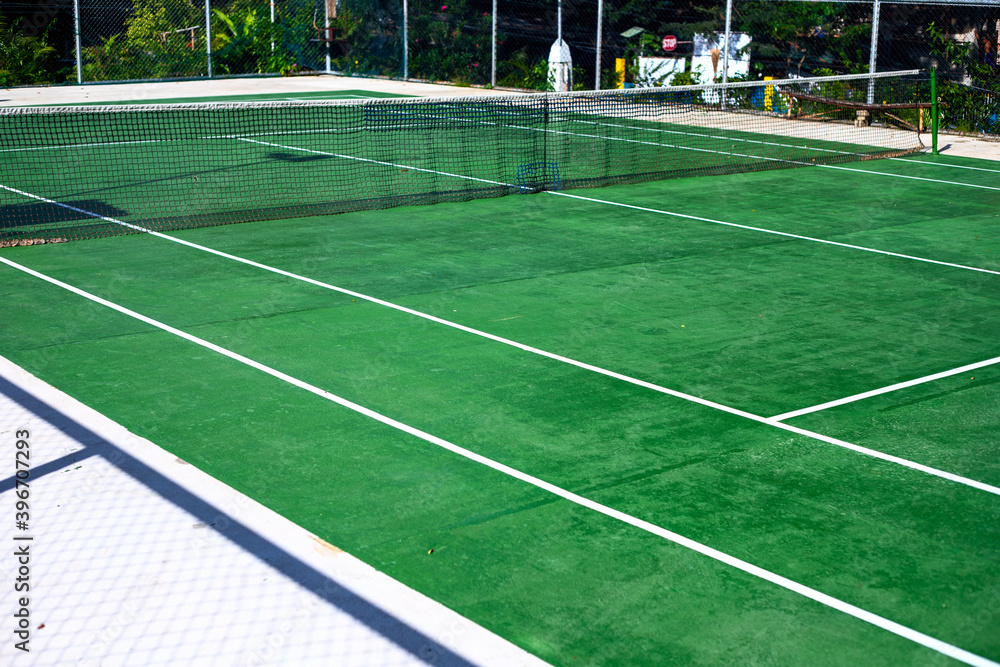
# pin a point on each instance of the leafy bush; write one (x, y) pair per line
(519, 72)
(450, 42)
(806, 36)
(155, 44)
(158, 43)
(368, 38)
(966, 108)
(245, 42)
(26, 60)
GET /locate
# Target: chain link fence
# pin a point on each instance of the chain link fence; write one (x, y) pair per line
(507, 43)
(129, 40)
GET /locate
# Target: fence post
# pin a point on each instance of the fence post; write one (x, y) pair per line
(406, 44)
(493, 70)
(76, 36)
(725, 55)
(208, 37)
(272, 25)
(559, 20)
(873, 56)
(597, 66)
(934, 111)
(326, 24)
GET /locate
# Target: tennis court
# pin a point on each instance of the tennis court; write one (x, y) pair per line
(744, 417)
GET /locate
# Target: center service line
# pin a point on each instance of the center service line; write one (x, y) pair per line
(885, 390)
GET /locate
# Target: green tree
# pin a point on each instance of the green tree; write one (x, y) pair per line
(245, 41)
(805, 36)
(153, 24)
(165, 38)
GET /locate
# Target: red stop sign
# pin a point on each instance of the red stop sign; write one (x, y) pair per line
(669, 43)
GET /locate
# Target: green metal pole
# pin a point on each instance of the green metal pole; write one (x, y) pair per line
(934, 111)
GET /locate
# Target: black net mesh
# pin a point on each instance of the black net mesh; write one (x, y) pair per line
(94, 171)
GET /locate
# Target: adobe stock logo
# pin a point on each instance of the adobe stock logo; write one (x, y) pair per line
(35, 24)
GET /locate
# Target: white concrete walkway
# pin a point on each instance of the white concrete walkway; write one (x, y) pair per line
(137, 558)
(117, 92)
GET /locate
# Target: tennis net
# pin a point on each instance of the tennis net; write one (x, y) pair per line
(77, 172)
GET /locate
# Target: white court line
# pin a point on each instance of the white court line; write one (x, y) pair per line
(943, 164)
(387, 164)
(723, 137)
(965, 481)
(912, 178)
(886, 390)
(83, 211)
(333, 130)
(94, 145)
(775, 232)
(786, 145)
(868, 617)
(780, 144)
(171, 141)
(784, 160)
(322, 99)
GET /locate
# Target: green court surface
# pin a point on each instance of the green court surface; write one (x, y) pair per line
(572, 416)
(259, 97)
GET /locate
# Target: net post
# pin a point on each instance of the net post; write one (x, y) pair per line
(934, 112)
(76, 37)
(597, 65)
(208, 37)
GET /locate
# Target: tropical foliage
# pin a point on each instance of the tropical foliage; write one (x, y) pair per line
(26, 59)
(166, 39)
(970, 96)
